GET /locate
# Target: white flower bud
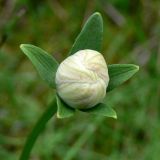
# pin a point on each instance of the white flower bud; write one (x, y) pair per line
(82, 79)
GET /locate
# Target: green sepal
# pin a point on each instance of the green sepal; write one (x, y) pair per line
(63, 110)
(45, 64)
(90, 36)
(102, 109)
(119, 73)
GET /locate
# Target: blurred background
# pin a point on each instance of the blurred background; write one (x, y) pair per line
(131, 35)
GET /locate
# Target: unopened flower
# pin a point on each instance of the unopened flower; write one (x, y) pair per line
(82, 79)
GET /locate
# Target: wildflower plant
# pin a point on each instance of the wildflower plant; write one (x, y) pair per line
(74, 79)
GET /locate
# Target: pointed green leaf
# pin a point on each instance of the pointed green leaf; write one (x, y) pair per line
(63, 110)
(119, 73)
(45, 64)
(103, 110)
(91, 35)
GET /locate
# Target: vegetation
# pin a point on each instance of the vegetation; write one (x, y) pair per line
(131, 35)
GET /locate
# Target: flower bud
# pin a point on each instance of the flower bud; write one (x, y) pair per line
(82, 79)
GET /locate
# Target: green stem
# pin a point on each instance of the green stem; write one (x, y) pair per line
(39, 127)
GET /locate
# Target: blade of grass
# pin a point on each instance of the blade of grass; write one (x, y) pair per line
(71, 153)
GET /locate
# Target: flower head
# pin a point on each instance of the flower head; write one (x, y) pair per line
(82, 79)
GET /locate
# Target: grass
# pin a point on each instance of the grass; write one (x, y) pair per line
(53, 26)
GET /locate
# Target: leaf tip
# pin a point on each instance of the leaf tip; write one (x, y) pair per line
(21, 46)
(137, 67)
(59, 116)
(62, 110)
(115, 116)
(97, 13)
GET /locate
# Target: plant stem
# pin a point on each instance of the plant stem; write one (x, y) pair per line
(39, 127)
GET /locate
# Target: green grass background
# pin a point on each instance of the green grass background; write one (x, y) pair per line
(131, 35)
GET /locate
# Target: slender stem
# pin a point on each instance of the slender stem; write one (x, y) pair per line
(39, 127)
